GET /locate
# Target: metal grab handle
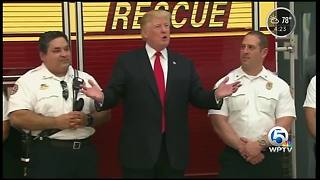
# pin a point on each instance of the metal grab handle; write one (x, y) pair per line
(286, 48)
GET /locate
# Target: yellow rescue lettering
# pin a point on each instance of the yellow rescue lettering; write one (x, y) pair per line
(195, 13)
(161, 5)
(138, 14)
(216, 12)
(174, 21)
(124, 16)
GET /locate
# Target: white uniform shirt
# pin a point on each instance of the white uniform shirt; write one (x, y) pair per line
(310, 100)
(5, 108)
(40, 91)
(253, 109)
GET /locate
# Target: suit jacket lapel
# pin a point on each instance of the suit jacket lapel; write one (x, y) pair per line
(170, 75)
(148, 71)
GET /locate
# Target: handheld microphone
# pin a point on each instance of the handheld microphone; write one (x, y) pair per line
(78, 105)
(77, 83)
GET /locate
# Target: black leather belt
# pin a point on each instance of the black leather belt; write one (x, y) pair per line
(72, 144)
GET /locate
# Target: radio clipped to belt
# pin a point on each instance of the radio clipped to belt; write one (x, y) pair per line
(26, 140)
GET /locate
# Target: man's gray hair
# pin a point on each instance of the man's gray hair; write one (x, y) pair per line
(147, 17)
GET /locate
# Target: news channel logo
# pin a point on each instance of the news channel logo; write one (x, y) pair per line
(279, 138)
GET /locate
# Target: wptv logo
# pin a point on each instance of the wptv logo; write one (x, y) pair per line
(279, 138)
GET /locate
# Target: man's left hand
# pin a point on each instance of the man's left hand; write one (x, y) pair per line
(252, 151)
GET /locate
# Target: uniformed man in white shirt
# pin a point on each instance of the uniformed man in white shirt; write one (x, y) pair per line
(46, 98)
(310, 107)
(262, 102)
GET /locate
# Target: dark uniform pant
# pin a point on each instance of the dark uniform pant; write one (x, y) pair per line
(59, 159)
(234, 166)
(11, 152)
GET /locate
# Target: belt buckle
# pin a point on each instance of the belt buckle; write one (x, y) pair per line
(76, 145)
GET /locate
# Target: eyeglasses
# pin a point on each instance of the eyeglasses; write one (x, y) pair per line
(65, 92)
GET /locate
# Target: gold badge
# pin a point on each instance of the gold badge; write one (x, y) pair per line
(269, 85)
(43, 87)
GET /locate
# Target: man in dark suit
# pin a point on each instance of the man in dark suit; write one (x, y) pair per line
(155, 137)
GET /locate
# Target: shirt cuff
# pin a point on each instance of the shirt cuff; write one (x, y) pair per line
(218, 101)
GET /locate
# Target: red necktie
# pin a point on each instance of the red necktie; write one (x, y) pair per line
(158, 73)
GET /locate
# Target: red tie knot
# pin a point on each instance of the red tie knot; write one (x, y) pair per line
(158, 54)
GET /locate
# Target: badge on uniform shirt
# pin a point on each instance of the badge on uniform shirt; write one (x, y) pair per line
(43, 87)
(14, 89)
(269, 85)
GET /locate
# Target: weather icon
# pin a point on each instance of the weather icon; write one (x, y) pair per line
(274, 20)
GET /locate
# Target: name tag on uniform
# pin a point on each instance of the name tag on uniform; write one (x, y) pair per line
(43, 87)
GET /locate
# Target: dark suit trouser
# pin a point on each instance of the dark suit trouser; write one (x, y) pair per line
(161, 169)
(234, 166)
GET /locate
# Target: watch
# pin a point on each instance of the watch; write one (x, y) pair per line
(90, 120)
(262, 142)
(98, 106)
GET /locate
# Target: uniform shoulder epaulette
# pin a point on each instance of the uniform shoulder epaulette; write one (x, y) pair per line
(36, 69)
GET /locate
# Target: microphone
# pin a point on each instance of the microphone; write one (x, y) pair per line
(78, 105)
(77, 83)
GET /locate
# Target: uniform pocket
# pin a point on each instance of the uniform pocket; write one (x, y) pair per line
(237, 101)
(48, 102)
(47, 97)
(266, 102)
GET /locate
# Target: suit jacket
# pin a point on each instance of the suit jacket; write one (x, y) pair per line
(134, 83)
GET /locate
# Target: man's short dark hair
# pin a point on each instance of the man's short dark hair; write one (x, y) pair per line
(48, 36)
(261, 36)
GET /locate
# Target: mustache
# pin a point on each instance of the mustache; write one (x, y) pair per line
(66, 60)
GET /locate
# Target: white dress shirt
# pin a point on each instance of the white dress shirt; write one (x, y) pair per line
(163, 60)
